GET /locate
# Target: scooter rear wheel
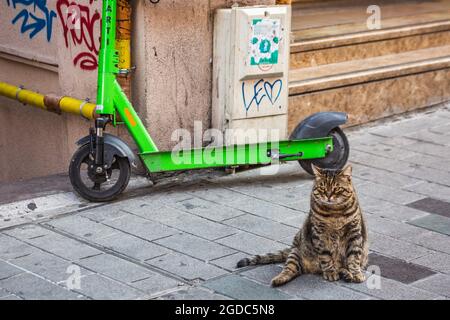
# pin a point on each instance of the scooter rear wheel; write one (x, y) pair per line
(336, 159)
(95, 187)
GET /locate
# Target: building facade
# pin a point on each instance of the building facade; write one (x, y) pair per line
(341, 60)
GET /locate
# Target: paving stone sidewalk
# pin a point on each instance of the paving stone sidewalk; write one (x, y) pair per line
(182, 240)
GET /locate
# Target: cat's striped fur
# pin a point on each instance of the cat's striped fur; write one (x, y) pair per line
(333, 241)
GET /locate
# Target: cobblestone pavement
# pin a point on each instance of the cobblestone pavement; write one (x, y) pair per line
(182, 239)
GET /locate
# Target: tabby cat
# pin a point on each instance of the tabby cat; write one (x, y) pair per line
(333, 240)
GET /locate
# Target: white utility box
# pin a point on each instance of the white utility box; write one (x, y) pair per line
(250, 73)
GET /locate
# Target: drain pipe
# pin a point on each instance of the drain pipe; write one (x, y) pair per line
(50, 102)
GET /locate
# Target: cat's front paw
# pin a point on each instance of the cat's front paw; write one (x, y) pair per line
(331, 276)
(355, 277)
(359, 277)
(346, 275)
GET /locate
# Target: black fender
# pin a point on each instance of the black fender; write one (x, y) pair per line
(114, 146)
(319, 125)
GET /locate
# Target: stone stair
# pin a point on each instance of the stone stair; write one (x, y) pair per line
(338, 64)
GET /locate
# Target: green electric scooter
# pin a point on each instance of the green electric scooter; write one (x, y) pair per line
(101, 168)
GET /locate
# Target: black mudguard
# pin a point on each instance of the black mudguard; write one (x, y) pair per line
(319, 125)
(114, 146)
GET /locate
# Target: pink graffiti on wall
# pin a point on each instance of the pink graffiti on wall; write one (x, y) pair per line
(79, 26)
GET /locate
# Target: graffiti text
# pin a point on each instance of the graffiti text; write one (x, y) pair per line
(262, 90)
(34, 16)
(79, 30)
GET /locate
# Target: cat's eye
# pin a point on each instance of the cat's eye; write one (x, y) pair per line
(339, 190)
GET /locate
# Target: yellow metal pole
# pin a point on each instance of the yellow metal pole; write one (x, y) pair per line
(22, 95)
(49, 102)
(123, 45)
(80, 107)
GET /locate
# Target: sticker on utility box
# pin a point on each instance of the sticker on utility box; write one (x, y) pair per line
(265, 42)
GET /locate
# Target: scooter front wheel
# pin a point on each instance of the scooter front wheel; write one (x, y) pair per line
(335, 160)
(98, 187)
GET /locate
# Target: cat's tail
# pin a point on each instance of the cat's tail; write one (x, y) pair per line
(280, 256)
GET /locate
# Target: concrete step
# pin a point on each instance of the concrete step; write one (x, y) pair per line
(336, 31)
(369, 44)
(304, 80)
(318, 19)
(338, 64)
(372, 88)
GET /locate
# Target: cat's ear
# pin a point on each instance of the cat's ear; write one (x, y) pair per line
(317, 171)
(347, 172)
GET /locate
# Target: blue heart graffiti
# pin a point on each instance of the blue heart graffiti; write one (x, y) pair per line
(269, 87)
(263, 90)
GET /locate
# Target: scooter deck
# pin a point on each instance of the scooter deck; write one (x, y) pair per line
(235, 155)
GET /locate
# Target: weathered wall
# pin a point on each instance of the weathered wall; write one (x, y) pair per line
(173, 53)
(31, 141)
(43, 57)
(172, 85)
